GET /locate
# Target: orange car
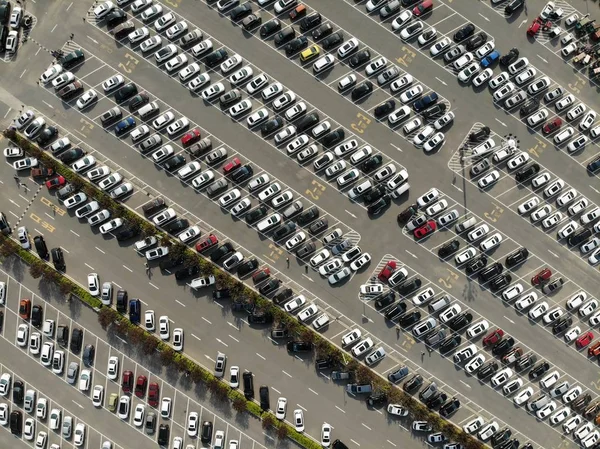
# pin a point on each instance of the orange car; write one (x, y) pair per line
(594, 350)
(25, 308)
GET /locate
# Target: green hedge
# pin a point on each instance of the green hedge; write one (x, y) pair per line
(241, 292)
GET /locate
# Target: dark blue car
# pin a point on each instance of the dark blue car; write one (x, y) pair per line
(425, 102)
(135, 307)
(124, 125)
(490, 59)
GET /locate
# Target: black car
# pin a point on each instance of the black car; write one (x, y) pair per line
(509, 57)
(385, 109)
(72, 59)
(593, 165)
(376, 399)
(413, 384)
(580, 236)
(450, 407)
(89, 352)
(364, 88)
(247, 267)
(283, 296)
(269, 287)
(379, 206)
(37, 315)
(306, 249)
(284, 231)
(374, 194)
(450, 343)
(527, 172)
(476, 265)
(222, 293)
(115, 18)
(270, 27)
(49, 133)
(436, 400)
(138, 101)
(410, 286)
(121, 302)
(530, 107)
(410, 319)
(18, 392)
(500, 282)
(206, 431)
(310, 22)
(477, 41)
(393, 312)
(177, 226)
(510, 444)
(77, 337)
(318, 226)
(460, 321)
(360, 58)
(562, 325)
(299, 346)
(263, 393)
(487, 370)
(71, 155)
(216, 57)
(517, 257)
(372, 163)
(260, 318)
(332, 41)
(271, 126)
(385, 300)
(126, 92)
(490, 272)
(307, 122)
(16, 421)
(464, 33)
(333, 138)
(503, 347)
(539, 370)
(255, 214)
(171, 262)
(41, 247)
(241, 11)
(187, 272)
(324, 30)
(407, 214)
(308, 215)
(480, 134)
(434, 111)
(221, 251)
(296, 45)
(525, 362)
(242, 173)
(163, 435)
(449, 248)
(513, 6)
(501, 436)
(285, 35)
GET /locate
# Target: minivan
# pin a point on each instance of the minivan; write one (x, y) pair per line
(359, 389)
(400, 190)
(465, 225)
(149, 109)
(440, 304)
(248, 385)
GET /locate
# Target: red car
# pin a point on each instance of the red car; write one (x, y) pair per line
(541, 277)
(552, 126)
(153, 394)
(140, 386)
(190, 137)
(387, 271)
(493, 337)
(55, 183)
(231, 165)
(426, 229)
(534, 28)
(422, 8)
(584, 340)
(212, 240)
(127, 384)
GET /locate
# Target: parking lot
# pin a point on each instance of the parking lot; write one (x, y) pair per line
(284, 161)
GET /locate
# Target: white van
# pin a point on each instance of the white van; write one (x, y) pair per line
(564, 135)
(400, 190)
(440, 304)
(323, 63)
(412, 125)
(149, 109)
(465, 225)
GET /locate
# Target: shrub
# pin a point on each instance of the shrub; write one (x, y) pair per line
(239, 404)
(105, 317)
(282, 432)
(167, 355)
(36, 270)
(267, 421)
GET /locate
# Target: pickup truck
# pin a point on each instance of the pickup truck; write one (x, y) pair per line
(41, 172)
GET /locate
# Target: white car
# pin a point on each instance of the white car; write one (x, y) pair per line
(112, 371)
(138, 415)
(545, 411)
(560, 416)
(294, 304)
(51, 73)
(93, 284)
(371, 289)
(474, 425)
(86, 99)
(296, 240)
(111, 225)
(433, 142)
(26, 163)
(468, 72)
(523, 396)
(489, 179)
(375, 356)
(163, 327)
(362, 347)
(299, 420)
(538, 117)
(477, 329)
(85, 379)
(526, 301)
(192, 424)
(29, 429)
(549, 380)
(98, 396)
(567, 230)
(465, 255)
(281, 408)
(178, 339)
(504, 91)
(538, 310)
(525, 75)
(518, 161)
(483, 77)
(488, 430)
(411, 94)
(231, 63)
(572, 424)
(501, 377)
(22, 340)
(499, 80)
(339, 275)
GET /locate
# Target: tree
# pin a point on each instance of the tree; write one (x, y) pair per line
(65, 286)
(239, 404)
(36, 269)
(221, 391)
(267, 421)
(136, 335)
(282, 431)
(196, 374)
(105, 317)
(167, 355)
(149, 344)
(6, 248)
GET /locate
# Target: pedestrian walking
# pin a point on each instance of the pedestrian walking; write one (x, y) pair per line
(84, 19)
(287, 260)
(422, 354)
(16, 177)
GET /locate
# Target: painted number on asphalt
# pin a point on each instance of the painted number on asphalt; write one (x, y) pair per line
(407, 57)
(44, 224)
(408, 342)
(107, 48)
(538, 148)
(495, 214)
(130, 64)
(316, 191)
(449, 280)
(173, 3)
(276, 252)
(574, 86)
(86, 126)
(362, 124)
(47, 202)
